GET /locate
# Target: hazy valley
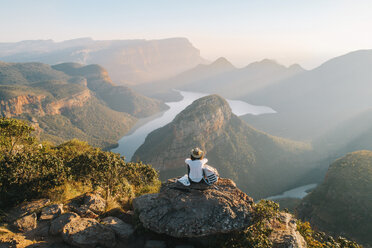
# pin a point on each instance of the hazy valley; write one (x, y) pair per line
(100, 91)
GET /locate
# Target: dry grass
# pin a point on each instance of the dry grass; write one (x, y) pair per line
(68, 191)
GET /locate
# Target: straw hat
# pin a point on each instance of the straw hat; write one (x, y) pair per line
(197, 152)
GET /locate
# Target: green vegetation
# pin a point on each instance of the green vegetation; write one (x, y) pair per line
(93, 122)
(342, 204)
(26, 73)
(40, 170)
(257, 235)
(265, 215)
(119, 98)
(14, 136)
(92, 108)
(320, 239)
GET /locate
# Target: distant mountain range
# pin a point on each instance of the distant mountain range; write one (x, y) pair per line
(70, 100)
(127, 61)
(351, 135)
(314, 102)
(261, 164)
(342, 204)
(221, 77)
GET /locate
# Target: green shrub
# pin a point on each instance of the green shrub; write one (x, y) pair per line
(320, 239)
(256, 235)
(37, 170)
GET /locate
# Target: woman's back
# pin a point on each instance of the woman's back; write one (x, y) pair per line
(196, 169)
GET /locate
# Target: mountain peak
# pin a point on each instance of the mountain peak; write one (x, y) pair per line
(212, 105)
(264, 63)
(296, 67)
(222, 62)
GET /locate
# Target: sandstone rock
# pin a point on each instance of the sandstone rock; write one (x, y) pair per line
(195, 211)
(155, 244)
(285, 233)
(85, 233)
(122, 229)
(51, 212)
(59, 223)
(26, 223)
(26, 209)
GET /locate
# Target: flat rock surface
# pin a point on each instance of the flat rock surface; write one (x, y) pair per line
(196, 210)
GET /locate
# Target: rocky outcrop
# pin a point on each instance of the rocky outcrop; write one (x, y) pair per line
(25, 103)
(76, 100)
(87, 233)
(57, 225)
(51, 212)
(177, 216)
(89, 205)
(285, 232)
(195, 211)
(122, 229)
(26, 223)
(36, 222)
(35, 104)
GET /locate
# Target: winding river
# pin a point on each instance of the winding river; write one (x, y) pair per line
(135, 138)
(299, 192)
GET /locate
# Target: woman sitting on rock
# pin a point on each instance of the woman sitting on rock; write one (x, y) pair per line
(195, 165)
(197, 169)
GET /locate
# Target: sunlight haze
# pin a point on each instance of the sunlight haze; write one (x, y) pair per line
(304, 32)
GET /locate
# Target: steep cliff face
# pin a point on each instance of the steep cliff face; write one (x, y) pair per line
(76, 100)
(71, 101)
(257, 161)
(36, 105)
(22, 104)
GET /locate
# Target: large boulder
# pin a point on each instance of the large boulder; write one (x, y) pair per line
(85, 233)
(284, 232)
(195, 211)
(57, 225)
(51, 212)
(122, 229)
(95, 203)
(26, 223)
(89, 205)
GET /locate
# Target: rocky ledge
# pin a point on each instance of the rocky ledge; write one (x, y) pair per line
(177, 216)
(195, 211)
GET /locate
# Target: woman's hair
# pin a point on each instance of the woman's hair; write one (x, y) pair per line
(193, 158)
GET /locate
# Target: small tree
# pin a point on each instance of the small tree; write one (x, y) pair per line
(14, 134)
(101, 169)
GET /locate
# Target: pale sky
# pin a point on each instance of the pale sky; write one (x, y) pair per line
(307, 32)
